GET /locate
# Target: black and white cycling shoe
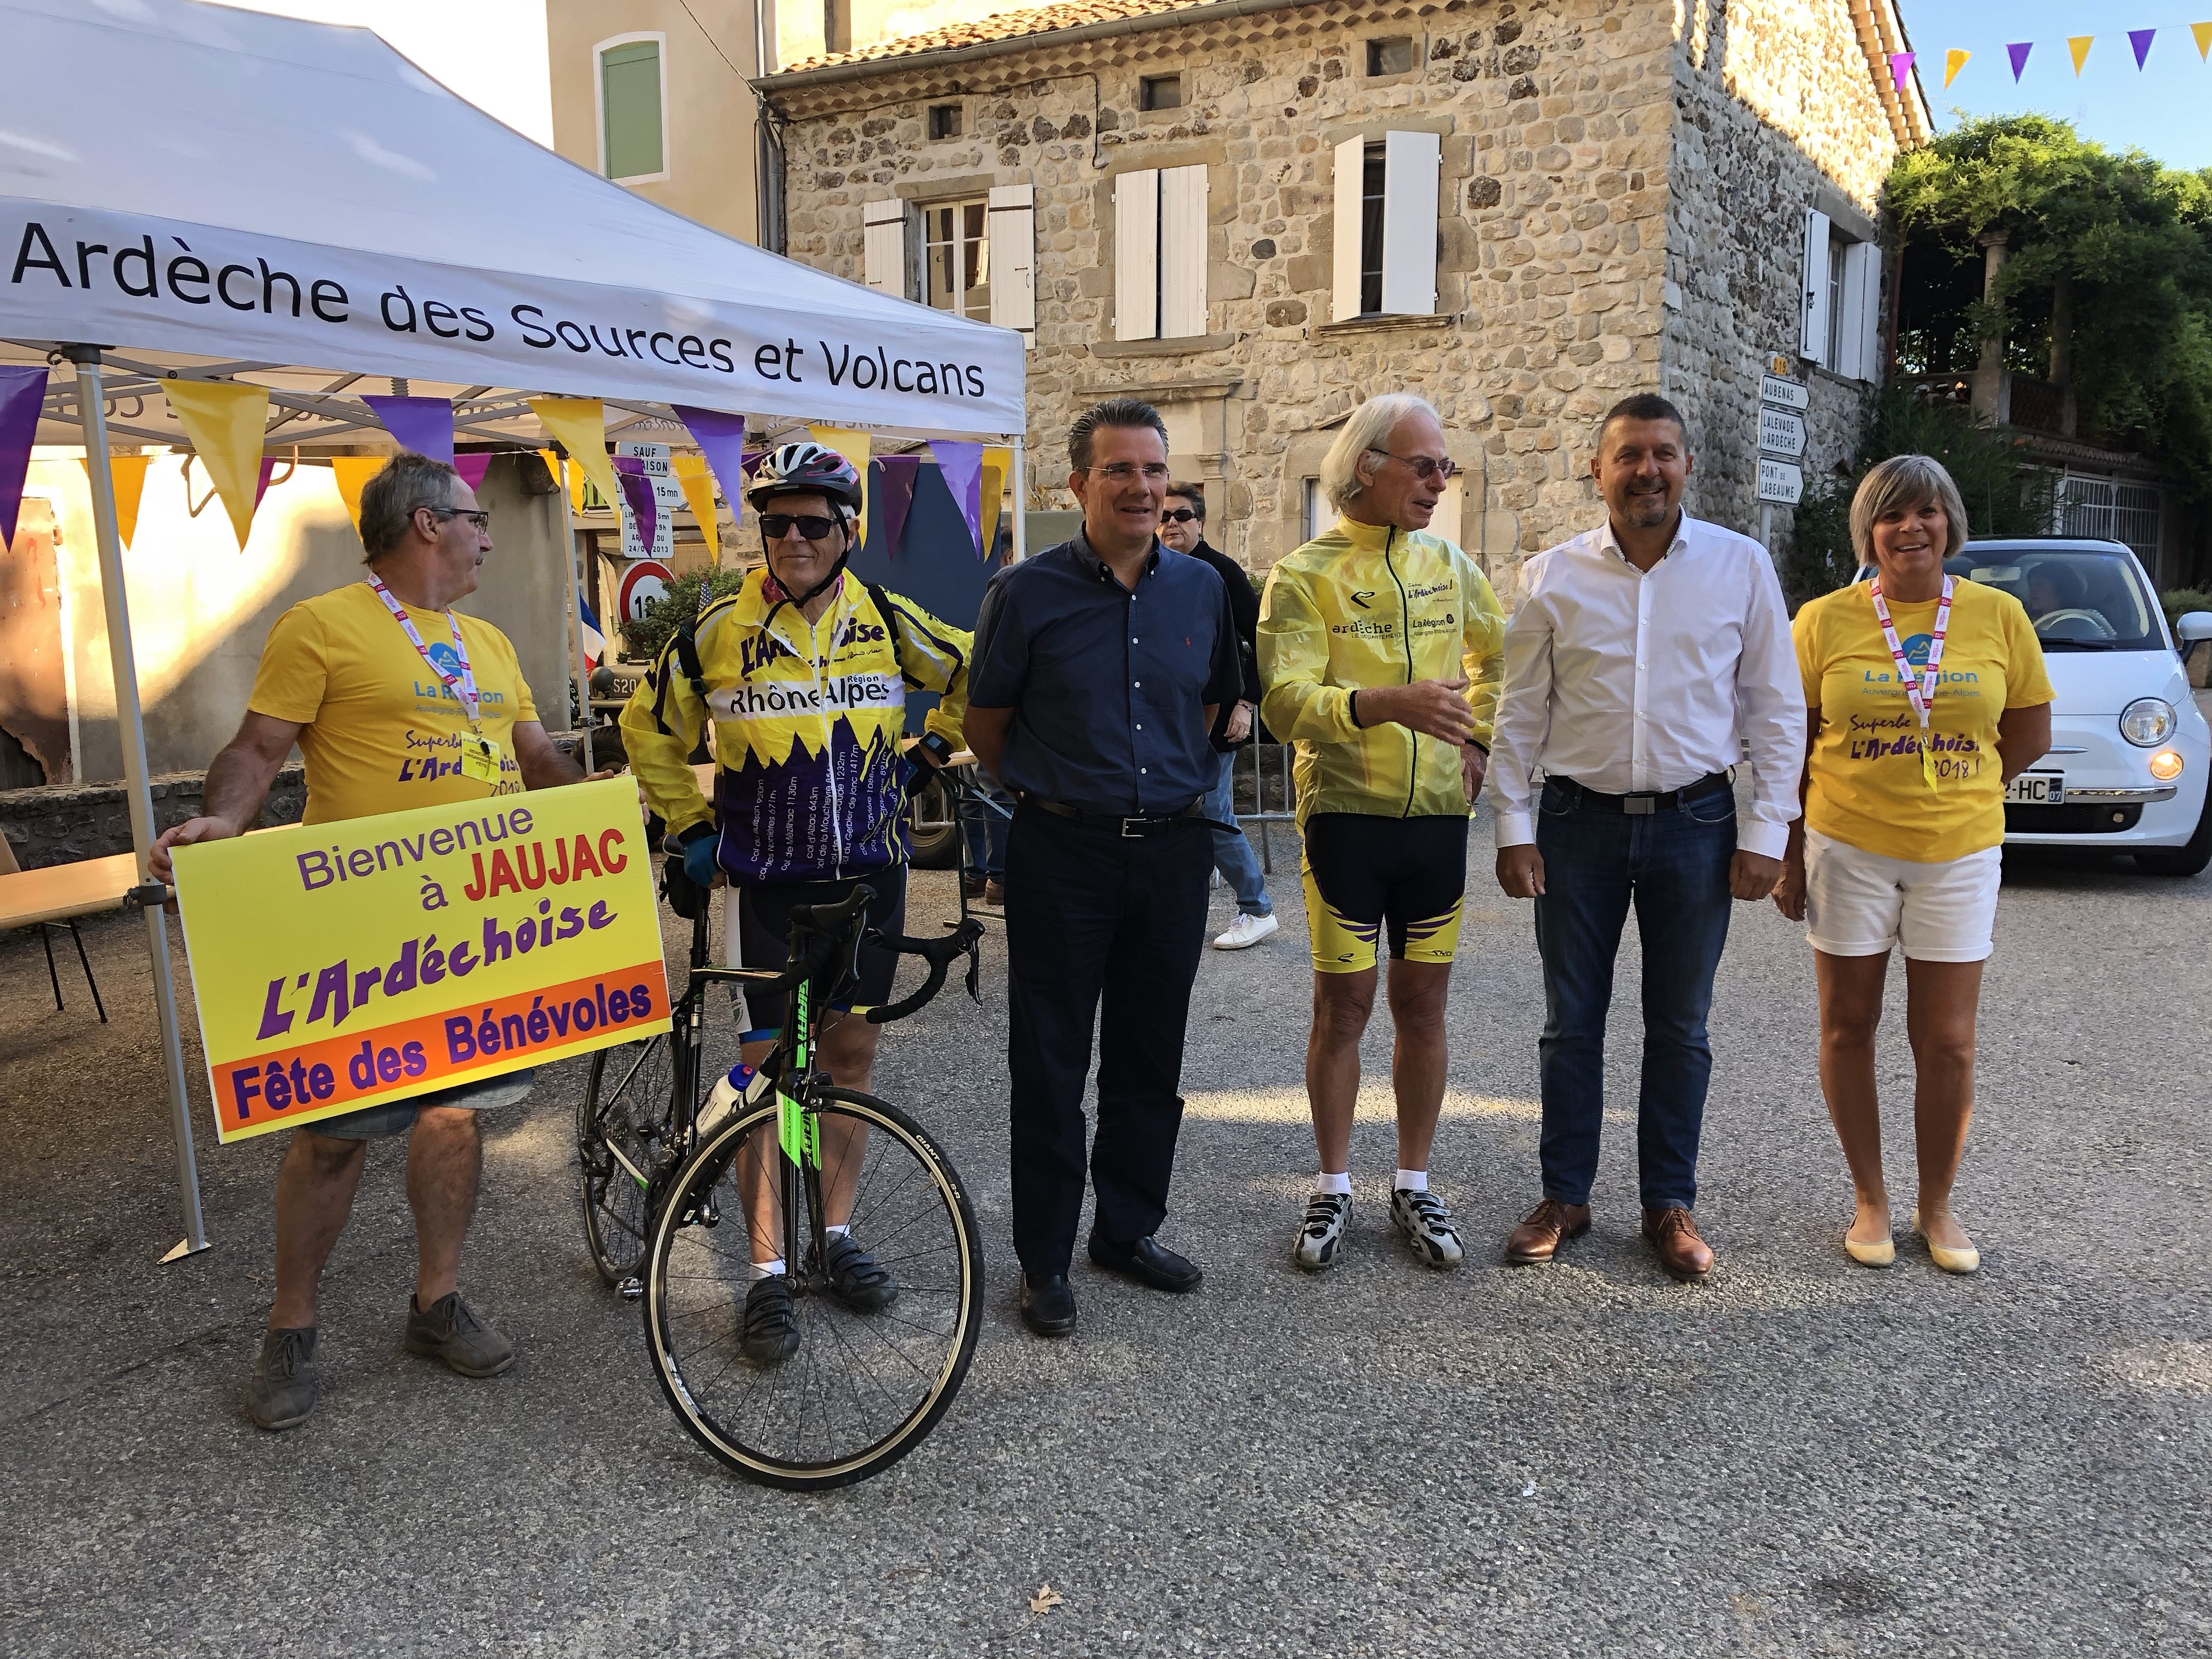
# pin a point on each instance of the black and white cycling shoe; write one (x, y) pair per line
(769, 1333)
(1321, 1231)
(1427, 1225)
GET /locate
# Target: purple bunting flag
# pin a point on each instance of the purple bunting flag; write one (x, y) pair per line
(22, 395)
(753, 459)
(637, 490)
(261, 484)
(895, 480)
(721, 439)
(472, 468)
(424, 425)
(1901, 65)
(963, 467)
(2018, 52)
(2140, 40)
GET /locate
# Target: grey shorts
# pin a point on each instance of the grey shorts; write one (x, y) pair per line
(393, 1117)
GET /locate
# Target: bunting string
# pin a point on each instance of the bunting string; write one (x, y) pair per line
(2078, 48)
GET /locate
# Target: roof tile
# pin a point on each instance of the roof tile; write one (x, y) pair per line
(1001, 26)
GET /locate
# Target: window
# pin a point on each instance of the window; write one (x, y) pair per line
(1320, 515)
(1385, 262)
(1159, 254)
(1842, 323)
(633, 114)
(1160, 92)
(956, 258)
(944, 120)
(1391, 56)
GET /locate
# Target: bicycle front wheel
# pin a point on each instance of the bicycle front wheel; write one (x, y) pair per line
(866, 1384)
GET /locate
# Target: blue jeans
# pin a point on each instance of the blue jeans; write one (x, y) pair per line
(1674, 867)
(984, 831)
(1233, 853)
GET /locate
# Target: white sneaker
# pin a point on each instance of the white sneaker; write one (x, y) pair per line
(1246, 931)
(1321, 1231)
(1428, 1227)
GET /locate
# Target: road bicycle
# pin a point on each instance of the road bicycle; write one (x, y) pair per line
(675, 1206)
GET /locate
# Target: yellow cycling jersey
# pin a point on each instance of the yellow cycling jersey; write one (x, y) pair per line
(808, 779)
(1366, 605)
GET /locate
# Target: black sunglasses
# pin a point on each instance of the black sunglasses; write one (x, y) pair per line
(481, 517)
(1179, 515)
(813, 525)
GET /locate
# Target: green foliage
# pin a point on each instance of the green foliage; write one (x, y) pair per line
(643, 638)
(2004, 494)
(2111, 253)
(2178, 602)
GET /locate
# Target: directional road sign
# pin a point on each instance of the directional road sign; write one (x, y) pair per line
(1780, 481)
(1781, 433)
(1784, 394)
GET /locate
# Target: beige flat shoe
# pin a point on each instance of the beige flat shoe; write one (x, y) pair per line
(1951, 1262)
(1880, 1253)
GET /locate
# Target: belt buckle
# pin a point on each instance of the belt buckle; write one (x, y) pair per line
(1127, 833)
(1639, 806)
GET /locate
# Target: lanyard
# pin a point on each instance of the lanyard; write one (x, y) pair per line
(464, 685)
(1920, 689)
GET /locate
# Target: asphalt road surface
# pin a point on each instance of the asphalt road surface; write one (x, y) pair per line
(1799, 1457)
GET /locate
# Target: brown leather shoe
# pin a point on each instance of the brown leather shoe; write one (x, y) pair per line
(1536, 1240)
(1673, 1236)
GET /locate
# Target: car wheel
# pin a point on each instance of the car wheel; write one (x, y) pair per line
(931, 827)
(2190, 857)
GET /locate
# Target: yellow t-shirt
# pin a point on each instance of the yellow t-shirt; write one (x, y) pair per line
(1867, 789)
(382, 731)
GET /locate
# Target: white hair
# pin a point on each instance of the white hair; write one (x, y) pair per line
(1367, 433)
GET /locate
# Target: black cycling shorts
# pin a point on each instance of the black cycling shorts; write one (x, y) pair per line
(1363, 872)
(762, 939)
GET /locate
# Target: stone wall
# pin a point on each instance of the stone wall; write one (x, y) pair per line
(1569, 273)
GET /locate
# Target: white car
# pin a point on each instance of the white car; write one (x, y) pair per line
(2131, 755)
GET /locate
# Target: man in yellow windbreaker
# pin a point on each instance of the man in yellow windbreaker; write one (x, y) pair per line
(1381, 654)
(805, 670)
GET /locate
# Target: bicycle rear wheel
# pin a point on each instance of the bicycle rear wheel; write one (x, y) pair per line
(864, 1387)
(622, 1128)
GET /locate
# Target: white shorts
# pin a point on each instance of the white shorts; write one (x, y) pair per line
(1859, 903)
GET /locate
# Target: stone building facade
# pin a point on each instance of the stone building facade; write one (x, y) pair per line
(1621, 197)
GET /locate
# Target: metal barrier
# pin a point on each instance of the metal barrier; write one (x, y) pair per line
(1259, 814)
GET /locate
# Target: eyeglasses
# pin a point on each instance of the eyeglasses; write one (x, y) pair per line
(1179, 515)
(813, 525)
(480, 517)
(1121, 472)
(1423, 465)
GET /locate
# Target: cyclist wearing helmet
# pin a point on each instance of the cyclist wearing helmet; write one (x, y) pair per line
(805, 672)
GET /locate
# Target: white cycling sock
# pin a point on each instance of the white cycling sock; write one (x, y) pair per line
(845, 1231)
(1326, 1183)
(760, 1270)
(1412, 1181)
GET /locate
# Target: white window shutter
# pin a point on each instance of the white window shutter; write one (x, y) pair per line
(1183, 253)
(1813, 341)
(1411, 164)
(1350, 171)
(1862, 330)
(1136, 256)
(883, 247)
(1012, 248)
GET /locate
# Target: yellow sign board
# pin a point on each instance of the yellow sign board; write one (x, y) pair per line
(344, 964)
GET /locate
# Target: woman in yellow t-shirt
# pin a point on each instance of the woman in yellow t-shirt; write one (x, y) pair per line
(1927, 694)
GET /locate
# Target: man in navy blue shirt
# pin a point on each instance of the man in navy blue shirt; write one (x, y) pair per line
(1099, 667)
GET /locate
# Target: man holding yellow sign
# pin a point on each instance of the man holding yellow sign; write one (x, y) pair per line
(323, 997)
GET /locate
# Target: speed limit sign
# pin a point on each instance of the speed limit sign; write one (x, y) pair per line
(646, 580)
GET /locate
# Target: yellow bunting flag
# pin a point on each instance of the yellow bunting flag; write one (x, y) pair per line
(992, 482)
(2202, 33)
(2079, 44)
(223, 421)
(1954, 61)
(579, 425)
(353, 473)
(128, 474)
(854, 446)
(698, 487)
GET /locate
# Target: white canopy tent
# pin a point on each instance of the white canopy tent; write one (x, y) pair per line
(218, 194)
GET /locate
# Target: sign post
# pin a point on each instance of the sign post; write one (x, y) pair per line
(1781, 405)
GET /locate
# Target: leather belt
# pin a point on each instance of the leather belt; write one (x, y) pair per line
(1646, 802)
(1127, 829)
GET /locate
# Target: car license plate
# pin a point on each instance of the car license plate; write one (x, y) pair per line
(2037, 789)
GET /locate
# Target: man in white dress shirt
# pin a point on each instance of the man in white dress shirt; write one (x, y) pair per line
(1643, 657)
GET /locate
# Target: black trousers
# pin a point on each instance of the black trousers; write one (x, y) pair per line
(1093, 922)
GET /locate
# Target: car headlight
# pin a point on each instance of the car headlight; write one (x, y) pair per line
(2147, 722)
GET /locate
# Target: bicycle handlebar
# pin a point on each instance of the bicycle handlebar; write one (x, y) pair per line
(938, 953)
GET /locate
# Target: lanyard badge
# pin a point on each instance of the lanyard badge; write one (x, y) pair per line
(480, 756)
(1919, 688)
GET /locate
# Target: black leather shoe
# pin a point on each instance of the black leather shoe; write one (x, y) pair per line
(1148, 1262)
(1048, 1305)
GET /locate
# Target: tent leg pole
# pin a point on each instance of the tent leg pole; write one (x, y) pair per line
(1021, 482)
(93, 415)
(576, 615)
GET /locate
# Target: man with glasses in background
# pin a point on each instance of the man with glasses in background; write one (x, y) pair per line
(395, 700)
(1380, 648)
(1182, 527)
(1101, 665)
